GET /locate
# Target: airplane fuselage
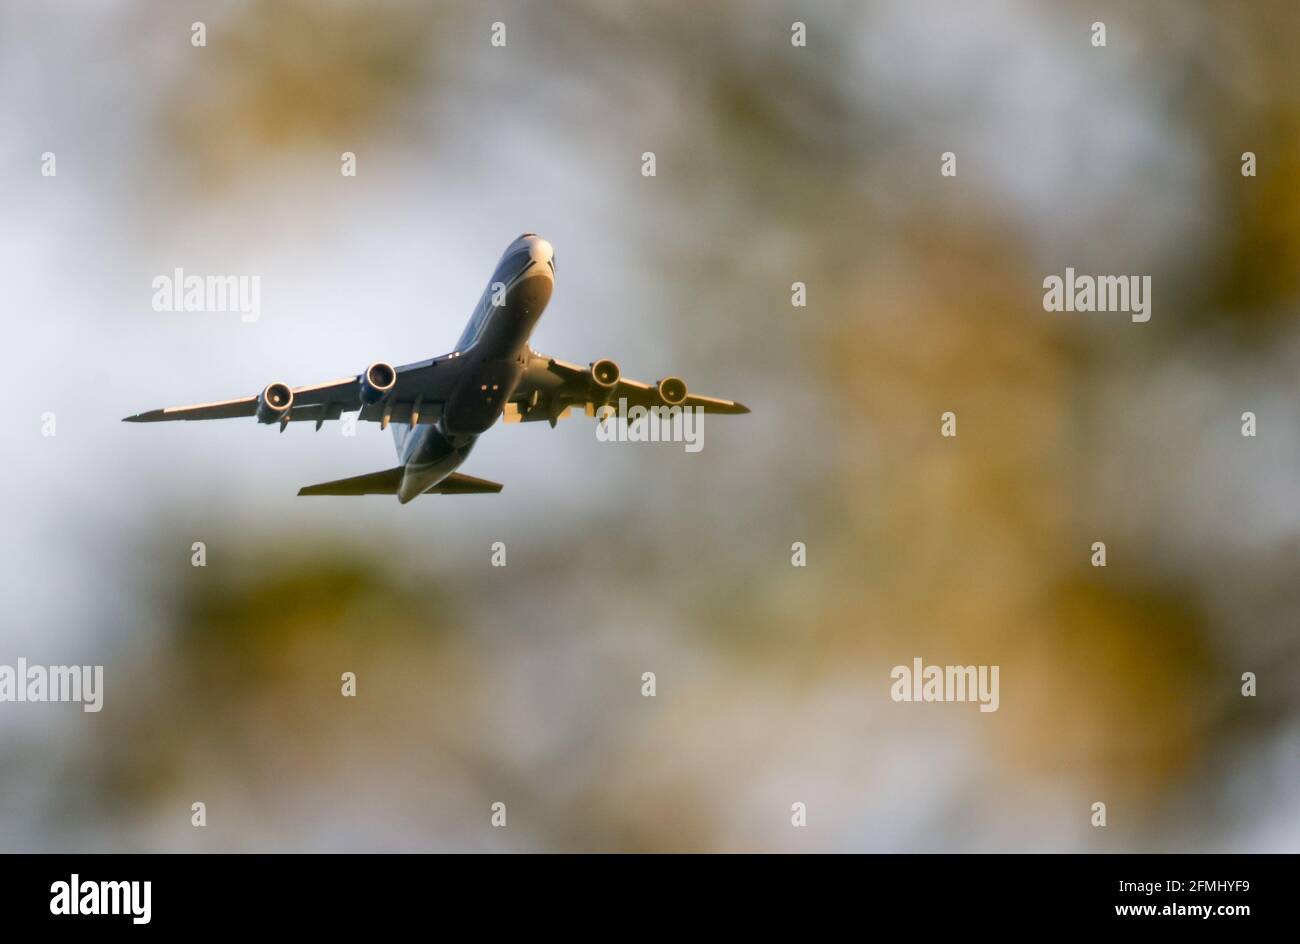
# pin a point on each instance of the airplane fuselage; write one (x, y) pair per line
(494, 348)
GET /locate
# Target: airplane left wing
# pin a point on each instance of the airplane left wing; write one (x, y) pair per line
(551, 388)
(413, 393)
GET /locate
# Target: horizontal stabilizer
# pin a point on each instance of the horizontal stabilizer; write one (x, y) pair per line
(388, 481)
(457, 484)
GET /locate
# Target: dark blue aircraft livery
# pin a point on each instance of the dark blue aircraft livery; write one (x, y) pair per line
(438, 408)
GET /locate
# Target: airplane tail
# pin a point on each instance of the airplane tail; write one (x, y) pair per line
(388, 481)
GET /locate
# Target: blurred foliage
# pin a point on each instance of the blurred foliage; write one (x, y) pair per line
(280, 78)
(776, 164)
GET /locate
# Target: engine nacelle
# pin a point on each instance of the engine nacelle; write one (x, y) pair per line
(274, 402)
(605, 373)
(378, 379)
(604, 378)
(672, 390)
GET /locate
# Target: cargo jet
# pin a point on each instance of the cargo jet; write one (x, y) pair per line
(438, 408)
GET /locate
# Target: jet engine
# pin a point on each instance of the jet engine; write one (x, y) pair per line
(378, 379)
(672, 390)
(274, 402)
(604, 378)
(605, 373)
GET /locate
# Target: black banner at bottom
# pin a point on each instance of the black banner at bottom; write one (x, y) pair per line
(142, 894)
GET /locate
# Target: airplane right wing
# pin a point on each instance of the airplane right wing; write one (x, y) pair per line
(413, 393)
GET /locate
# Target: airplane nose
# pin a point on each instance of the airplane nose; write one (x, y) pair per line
(539, 250)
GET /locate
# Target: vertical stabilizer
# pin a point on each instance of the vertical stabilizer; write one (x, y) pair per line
(400, 431)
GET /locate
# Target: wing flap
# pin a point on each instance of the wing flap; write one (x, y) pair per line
(392, 410)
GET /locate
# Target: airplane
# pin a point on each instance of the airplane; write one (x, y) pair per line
(439, 407)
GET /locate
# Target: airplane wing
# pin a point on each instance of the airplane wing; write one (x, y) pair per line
(413, 393)
(551, 388)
